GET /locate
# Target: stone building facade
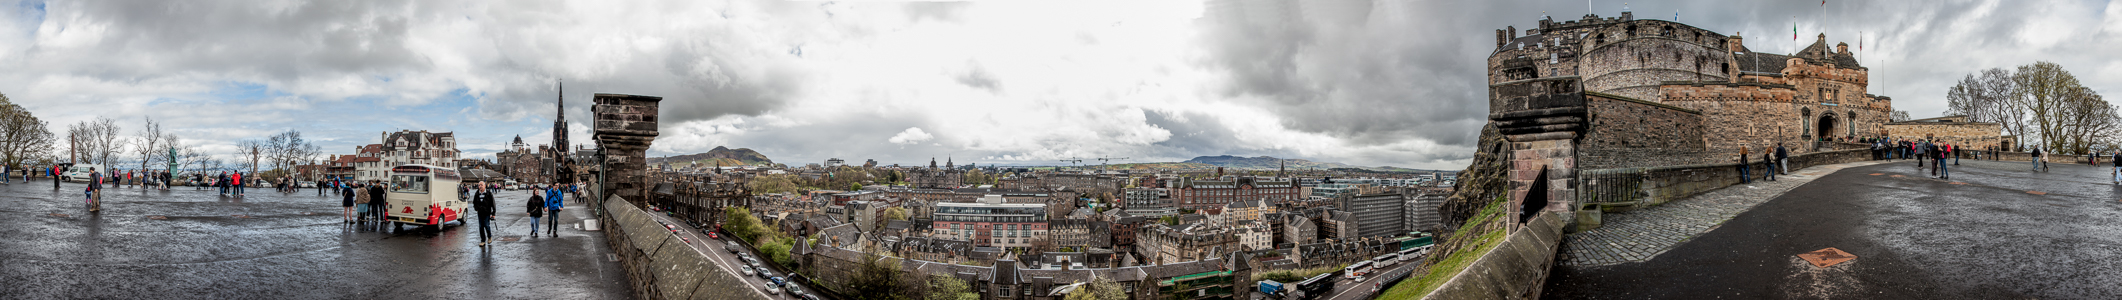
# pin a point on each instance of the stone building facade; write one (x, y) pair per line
(1954, 130)
(932, 177)
(1605, 93)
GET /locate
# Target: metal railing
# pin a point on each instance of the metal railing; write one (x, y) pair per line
(1611, 186)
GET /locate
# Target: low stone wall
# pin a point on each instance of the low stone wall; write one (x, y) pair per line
(1515, 269)
(659, 265)
(1664, 184)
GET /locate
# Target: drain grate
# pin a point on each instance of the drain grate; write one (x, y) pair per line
(1829, 257)
(61, 215)
(157, 218)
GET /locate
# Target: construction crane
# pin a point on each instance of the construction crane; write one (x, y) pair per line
(1103, 160)
(1072, 161)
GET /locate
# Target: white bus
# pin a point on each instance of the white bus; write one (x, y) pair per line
(424, 195)
(1386, 260)
(1358, 270)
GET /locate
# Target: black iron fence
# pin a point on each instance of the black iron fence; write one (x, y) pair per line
(1611, 186)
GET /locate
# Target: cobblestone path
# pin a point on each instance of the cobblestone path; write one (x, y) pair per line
(1638, 235)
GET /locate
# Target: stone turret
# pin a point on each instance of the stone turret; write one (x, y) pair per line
(626, 126)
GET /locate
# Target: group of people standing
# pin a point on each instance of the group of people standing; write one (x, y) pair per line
(1935, 152)
(363, 200)
(1774, 161)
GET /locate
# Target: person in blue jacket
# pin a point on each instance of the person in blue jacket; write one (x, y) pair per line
(552, 208)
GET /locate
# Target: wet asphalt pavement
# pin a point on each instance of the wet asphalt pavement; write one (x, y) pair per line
(1915, 237)
(268, 245)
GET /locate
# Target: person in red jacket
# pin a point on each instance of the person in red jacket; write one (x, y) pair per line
(237, 180)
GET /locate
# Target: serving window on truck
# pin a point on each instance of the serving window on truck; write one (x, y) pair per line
(413, 184)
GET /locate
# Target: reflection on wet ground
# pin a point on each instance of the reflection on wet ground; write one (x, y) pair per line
(187, 243)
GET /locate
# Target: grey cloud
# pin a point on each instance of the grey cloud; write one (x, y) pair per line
(978, 77)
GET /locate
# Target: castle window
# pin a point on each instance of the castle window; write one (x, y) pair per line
(1631, 32)
(1600, 40)
(1668, 31)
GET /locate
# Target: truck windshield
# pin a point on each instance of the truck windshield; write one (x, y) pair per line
(416, 184)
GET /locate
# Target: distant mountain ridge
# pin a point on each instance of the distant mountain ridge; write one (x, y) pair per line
(724, 155)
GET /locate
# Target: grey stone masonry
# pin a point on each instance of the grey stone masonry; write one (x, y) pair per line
(626, 126)
(1640, 235)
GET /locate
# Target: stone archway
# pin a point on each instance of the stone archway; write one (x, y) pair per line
(1826, 127)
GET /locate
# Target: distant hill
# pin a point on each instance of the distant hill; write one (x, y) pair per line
(723, 155)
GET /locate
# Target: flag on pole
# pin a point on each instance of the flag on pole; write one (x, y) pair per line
(1823, 3)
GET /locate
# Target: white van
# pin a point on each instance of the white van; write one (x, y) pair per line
(424, 195)
(80, 172)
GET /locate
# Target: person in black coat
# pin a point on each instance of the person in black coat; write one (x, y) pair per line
(376, 203)
(483, 202)
(536, 208)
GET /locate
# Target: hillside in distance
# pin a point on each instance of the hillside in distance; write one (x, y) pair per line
(722, 155)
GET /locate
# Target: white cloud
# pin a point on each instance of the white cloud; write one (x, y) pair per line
(912, 135)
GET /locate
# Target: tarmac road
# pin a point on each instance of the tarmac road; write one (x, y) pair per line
(268, 245)
(1995, 231)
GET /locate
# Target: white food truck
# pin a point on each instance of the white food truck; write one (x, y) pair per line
(424, 195)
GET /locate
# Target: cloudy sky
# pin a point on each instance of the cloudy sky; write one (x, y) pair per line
(1382, 82)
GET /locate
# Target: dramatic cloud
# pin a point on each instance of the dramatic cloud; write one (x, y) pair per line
(1356, 81)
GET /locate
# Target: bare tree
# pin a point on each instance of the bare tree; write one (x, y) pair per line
(22, 135)
(188, 156)
(288, 149)
(96, 141)
(149, 143)
(250, 151)
(1988, 96)
(1897, 116)
(2054, 100)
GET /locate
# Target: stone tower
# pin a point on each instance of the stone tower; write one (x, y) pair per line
(626, 126)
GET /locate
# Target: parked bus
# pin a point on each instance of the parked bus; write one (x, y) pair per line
(424, 195)
(1387, 260)
(1313, 288)
(1357, 270)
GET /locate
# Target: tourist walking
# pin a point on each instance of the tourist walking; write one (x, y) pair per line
(1938, 168)
(553, 203)
(94, 191)
(1917, 149)
(2118, 167)
(483, 203)
(2034, 157)
(536, 209)
(1768, 159)
(1746, 173)
(348, 204)
(1782, 158)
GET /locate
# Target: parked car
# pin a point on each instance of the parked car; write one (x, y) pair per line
(810, 297)
(778, 281)
(731, 246)
(773, 290)
(793, 289)
(769, 275)
(747, 270)
(712, 235)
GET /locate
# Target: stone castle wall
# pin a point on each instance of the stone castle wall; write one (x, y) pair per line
(1969, 135)
(1634, 67)
(1627, 133)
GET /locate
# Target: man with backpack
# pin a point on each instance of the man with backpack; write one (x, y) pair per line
(483, 202)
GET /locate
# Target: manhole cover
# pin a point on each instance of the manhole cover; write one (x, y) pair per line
(157, 218)
(1826, 257)
(61, 215)
(2037, 193)
(511, 238)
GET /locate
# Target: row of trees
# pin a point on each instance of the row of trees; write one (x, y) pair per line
(26, 140)
(2042, 104)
